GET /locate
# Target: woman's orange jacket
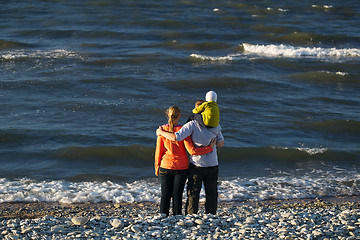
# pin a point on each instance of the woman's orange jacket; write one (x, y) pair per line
(172, 155)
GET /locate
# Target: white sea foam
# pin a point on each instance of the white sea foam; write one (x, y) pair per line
(324, 6)
(229, 57)
(337, 73)
(342, 73)
(312, 151)
(308, 150)
(49, 54)
(283, 186)
(282, 50)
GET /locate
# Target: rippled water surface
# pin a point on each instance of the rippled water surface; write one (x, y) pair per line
(84, 85)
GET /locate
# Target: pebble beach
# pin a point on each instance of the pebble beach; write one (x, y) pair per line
(335, 218)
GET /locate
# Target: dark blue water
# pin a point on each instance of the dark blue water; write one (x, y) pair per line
(84, 85)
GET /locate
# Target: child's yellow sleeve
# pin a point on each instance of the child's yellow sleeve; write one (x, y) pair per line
(200, 108)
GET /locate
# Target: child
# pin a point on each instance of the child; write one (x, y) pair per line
(209, 110)
(193, 116)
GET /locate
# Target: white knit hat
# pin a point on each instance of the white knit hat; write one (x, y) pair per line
(211, 96)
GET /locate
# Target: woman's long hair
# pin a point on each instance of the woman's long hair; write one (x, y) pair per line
(172, 114)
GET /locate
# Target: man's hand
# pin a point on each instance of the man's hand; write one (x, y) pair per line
(167, 135)
(159, 131)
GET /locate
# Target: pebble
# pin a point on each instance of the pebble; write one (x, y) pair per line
(199, 221)
(312, 220)
(79, 220)
(116, 223)
(57, 228)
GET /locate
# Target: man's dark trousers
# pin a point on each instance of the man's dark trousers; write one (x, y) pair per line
(197, 176)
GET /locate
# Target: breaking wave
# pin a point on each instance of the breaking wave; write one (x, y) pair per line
(282, 51)
(234, 189)
(292, 51)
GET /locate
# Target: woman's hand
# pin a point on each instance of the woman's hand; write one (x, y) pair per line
(213, 142)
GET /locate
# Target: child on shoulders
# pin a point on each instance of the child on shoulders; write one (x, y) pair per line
(208, 109)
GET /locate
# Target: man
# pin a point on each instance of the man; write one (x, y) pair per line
(203, 168)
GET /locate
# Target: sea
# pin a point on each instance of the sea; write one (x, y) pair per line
(84, 84)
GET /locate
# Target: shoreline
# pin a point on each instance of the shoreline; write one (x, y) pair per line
(24, 210)
(327, 218)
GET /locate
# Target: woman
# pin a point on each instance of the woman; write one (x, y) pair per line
(172, 163)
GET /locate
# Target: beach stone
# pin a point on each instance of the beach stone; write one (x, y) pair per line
(189, 223)
(135, 229)
(282, 230)
(116, 223)
(239, 224)
(153, 228)
(12, 237)
(180, 223)
(199, 221)
(203, 226)
(216, 235)
(155, 233)
(26, 230)
(317, 233)
(294, 222)
(262, 221)
(12, 225)
(351, 228)
(250, 220)
(79, 220)
(242, 231)
(57, 228)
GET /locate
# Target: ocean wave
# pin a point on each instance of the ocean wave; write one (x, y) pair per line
(308, 150)
(211, 82)
(229, 57)
(7, 137)
(202, 46)
(141, 156)
(348, 127)
(4, 44)
(276, 154)
(134, 155)
(324, 7)
(289, 51)
(235, 189)
(311, 39)
(249, 51)
(39, 54)
(325, 76)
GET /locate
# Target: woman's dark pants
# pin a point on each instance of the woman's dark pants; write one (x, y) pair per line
(172, 187)
(197, 176)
